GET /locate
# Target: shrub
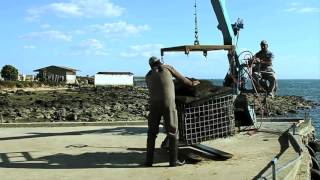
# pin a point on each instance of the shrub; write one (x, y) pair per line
(19, 84)
(7, 84)
(9, 73)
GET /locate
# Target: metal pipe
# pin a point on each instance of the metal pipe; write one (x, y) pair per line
(279, 169)
(274, 169)
(288, 164)
(294, 128)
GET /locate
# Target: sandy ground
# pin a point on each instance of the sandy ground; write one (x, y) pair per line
(118, 152)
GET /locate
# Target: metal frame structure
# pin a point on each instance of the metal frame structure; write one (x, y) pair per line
(196, 48)
(207, 120)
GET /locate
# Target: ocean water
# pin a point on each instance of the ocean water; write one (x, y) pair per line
(309, 89)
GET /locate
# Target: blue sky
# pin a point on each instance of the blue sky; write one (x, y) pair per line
(120, 35)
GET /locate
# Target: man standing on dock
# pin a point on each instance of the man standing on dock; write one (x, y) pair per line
(162, 103)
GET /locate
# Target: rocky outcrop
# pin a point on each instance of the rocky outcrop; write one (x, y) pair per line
(82, 104)
(280, 105)
(87, 104)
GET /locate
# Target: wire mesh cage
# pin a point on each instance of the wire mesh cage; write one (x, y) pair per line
(205, 120)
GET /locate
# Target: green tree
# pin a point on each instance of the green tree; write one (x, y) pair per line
(9, 73)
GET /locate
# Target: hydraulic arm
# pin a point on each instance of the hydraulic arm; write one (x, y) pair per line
(223, 20)
(230, 32)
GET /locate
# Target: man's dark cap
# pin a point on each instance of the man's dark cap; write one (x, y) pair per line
(264, 42)
(153, 60)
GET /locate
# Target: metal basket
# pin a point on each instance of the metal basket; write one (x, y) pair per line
(207, 119)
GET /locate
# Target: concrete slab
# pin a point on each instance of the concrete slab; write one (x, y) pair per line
(118, 152)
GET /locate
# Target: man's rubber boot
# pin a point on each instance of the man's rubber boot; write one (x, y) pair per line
(165, 144)
(150, 152)
(173, 153)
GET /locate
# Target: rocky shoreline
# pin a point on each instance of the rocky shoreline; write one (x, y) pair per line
(105, 104)
(86, 104)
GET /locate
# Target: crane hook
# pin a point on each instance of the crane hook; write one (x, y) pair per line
(205, 53)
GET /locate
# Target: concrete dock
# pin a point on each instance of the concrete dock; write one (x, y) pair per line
(117, 152)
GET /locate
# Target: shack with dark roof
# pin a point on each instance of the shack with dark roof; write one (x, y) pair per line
(57, 74)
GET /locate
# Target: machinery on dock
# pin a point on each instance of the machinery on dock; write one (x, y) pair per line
(214, 116)
(217, 115)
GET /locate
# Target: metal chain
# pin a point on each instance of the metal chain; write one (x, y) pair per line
(196, 36)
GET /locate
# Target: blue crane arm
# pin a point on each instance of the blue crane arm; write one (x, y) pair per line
(223, 20)
(229, 32)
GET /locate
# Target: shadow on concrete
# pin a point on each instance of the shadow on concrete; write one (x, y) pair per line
(132, 159)
(113, 131)
(283, 140)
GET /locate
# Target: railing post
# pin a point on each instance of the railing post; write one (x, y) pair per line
(274, 169)
(294, 126)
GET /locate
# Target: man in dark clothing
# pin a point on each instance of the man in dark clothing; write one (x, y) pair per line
(162, 104)
(263, 74)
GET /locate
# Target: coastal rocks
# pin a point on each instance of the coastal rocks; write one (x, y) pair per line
(279, 105)
(88, 104)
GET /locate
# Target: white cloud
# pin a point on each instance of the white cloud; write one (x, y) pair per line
(119, 29)
(89, 47)
(34, 14)
(47, 35)
(45, 26)
(291, 9)
(129, 54)
(145, 50)
(29, 47)
(77, 8)
(79, 32)
(301, 8)
(65, 9)
(294, 4)
(309, 10)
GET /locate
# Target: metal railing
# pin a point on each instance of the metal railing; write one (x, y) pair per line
(277, 169)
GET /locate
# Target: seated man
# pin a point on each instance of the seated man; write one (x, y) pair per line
(263, 74)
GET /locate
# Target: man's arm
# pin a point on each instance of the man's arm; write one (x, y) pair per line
(269, 58)
(266, 62)
(264, 59)
(180, 77)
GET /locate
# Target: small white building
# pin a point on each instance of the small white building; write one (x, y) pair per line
(113, 78)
